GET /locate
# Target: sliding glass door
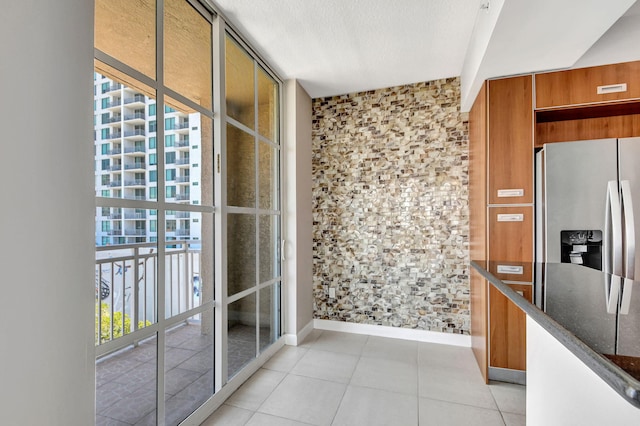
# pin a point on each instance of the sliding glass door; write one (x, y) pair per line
(182, 302)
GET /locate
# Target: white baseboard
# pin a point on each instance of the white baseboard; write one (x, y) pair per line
(394, 332)
(296, 339)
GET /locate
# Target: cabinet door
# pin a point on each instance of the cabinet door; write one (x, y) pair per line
(588, 85)
(478, 177)
(511, 140)
(511, 243)
(508, 335)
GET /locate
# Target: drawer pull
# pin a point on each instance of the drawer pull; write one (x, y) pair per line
(511, 217)
(612, 88)
(510, 193)
(510, 269)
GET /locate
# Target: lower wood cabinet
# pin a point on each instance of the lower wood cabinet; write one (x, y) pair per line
(507, 329)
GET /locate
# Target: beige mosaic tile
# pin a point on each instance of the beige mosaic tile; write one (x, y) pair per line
(390, 207)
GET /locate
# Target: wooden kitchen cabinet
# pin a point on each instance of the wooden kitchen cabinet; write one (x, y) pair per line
(510, 119)
(591, 85)
(511, 243)
(501, 183)
(508, 325)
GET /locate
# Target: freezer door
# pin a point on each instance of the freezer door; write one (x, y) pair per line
(576, 175)
(629, 316)
(579, 299)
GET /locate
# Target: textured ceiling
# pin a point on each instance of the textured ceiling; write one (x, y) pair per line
(334, 47)
(342, 46)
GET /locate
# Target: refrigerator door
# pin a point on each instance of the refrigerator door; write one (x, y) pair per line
(629, 316)
(576, 179)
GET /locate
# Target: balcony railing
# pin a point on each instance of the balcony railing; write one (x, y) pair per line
(115, 103)
(183, 232)
(138, 132)
(115, 232)
(134, 166)
(115, 151)
(179, 126)
(135, 197)
(115, 167)
(116, 135)
(134, 149)
(135, 182)
(183, 215)
(115, 183)
(126, 294)
(138, 215)
(182, 160)
(136, 98)
(182, 197)
(136, 116)
(182, 179)
(181, 144)
(115, 216)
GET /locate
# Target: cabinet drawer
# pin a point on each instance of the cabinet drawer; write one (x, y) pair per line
(510, 145)
(588, 85)
(511, 243)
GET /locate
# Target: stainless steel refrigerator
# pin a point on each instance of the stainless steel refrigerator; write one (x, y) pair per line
(586, 236)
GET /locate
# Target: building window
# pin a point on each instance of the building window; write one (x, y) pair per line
(171, 226)
(105, 193)
(152, 142)
(168, 109)
(153, 159)
(170, 158)
(104, 148)
(153, 176)
(104, 102)
(105, 179)
(153, 225)
(170, 175)
(171, 192)
(152, 109)
(169, 123)
(105, 164)
(169, 140)
(105, 133)
(153, 193)
(152, 126)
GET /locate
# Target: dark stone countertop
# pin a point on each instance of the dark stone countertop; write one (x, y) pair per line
(621, 372)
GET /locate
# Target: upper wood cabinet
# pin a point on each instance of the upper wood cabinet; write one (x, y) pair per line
(510, 131)
(588, 85)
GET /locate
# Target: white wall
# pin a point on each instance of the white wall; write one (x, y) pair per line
(562, 390)
(298, 219)
(46, 221)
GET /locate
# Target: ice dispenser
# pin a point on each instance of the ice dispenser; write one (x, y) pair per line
(582, 248)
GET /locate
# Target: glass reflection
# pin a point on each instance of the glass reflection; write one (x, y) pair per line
(241, 333)
(241, 252)
(239, 77)
(241, 174)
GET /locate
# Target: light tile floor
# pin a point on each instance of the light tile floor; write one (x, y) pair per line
(346, 379)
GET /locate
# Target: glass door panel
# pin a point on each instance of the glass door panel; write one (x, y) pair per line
(241, 171)
(241, 252)
(241, 333)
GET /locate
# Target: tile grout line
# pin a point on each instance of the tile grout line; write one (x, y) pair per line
(333, 419)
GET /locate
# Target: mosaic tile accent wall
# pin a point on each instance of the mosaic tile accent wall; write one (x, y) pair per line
(390, 207)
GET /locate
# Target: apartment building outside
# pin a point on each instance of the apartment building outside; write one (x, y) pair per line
(126, 165)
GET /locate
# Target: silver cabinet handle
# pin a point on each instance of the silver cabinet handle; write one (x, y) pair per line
(626, 296)
(613, 232)
(629, 231)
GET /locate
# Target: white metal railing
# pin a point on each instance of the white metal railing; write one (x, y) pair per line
(126, 286)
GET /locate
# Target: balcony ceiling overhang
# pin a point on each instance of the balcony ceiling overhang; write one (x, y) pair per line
(334, 47)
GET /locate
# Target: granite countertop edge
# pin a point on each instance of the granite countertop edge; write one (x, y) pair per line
(621, 381)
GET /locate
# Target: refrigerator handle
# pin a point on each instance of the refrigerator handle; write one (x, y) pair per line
(629, 231)
(613, 231)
